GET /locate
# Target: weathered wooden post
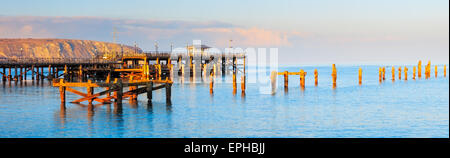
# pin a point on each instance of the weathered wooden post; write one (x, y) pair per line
(286, 80)
(379, 74)
(211, 84)
(273, 81)
(234, 84)
(419, 69)
(62, 91)
(108, 78)
(21, 74)
(90, 91)
(119, 92)
(414, 73)
(168, 93)
(4, 74)
(428, 70)
(445, 70)
(149, 91)
(15, 74)
(384, 73)
(316, 77)
(65, 72)
(360, 75)
(243, 85)
(302, 78)
(25, 73)
(406, 73)
(334, 75)
(49, 73)
(393, 73)
(435, 71)
(38, 77)
(399, 73)
(42, 74)
(80, 73)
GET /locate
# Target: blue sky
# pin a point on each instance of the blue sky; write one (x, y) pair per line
(319, 31)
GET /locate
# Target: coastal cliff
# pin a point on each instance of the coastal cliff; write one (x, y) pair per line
(57, 48)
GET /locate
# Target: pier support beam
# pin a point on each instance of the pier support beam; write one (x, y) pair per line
(62, 92)
(316, 77)
(149, 92)
(168, 94)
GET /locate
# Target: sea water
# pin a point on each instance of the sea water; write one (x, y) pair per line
(412, 108)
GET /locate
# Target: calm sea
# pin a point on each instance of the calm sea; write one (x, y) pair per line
(412, 108)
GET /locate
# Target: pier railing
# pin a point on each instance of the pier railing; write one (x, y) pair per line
(54, 61)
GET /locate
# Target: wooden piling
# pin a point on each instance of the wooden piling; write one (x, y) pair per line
(149, 91)
(15, 74)
(399, 73)
(380, 74)
(384, 73)
(316, 77)
(334, 75)
(234, 84)
(286, 80)
(38, 77)
(168, 93)
(90, 91)
(419, 69)
(243, 85)
(302, 79)
(445, 70)
(42, 73)
(62, 91)
(406, 73)
(119, 92)
(211, 84)
(20, 74)
(414, 73)
(273, 81)
(393, 73)
(435, 71)
(360, 75)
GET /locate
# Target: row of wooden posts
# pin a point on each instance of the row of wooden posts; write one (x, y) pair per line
(37, 73)
(382, 71)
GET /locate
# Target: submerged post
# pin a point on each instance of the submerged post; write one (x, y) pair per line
(414, 73)
(400, 73)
